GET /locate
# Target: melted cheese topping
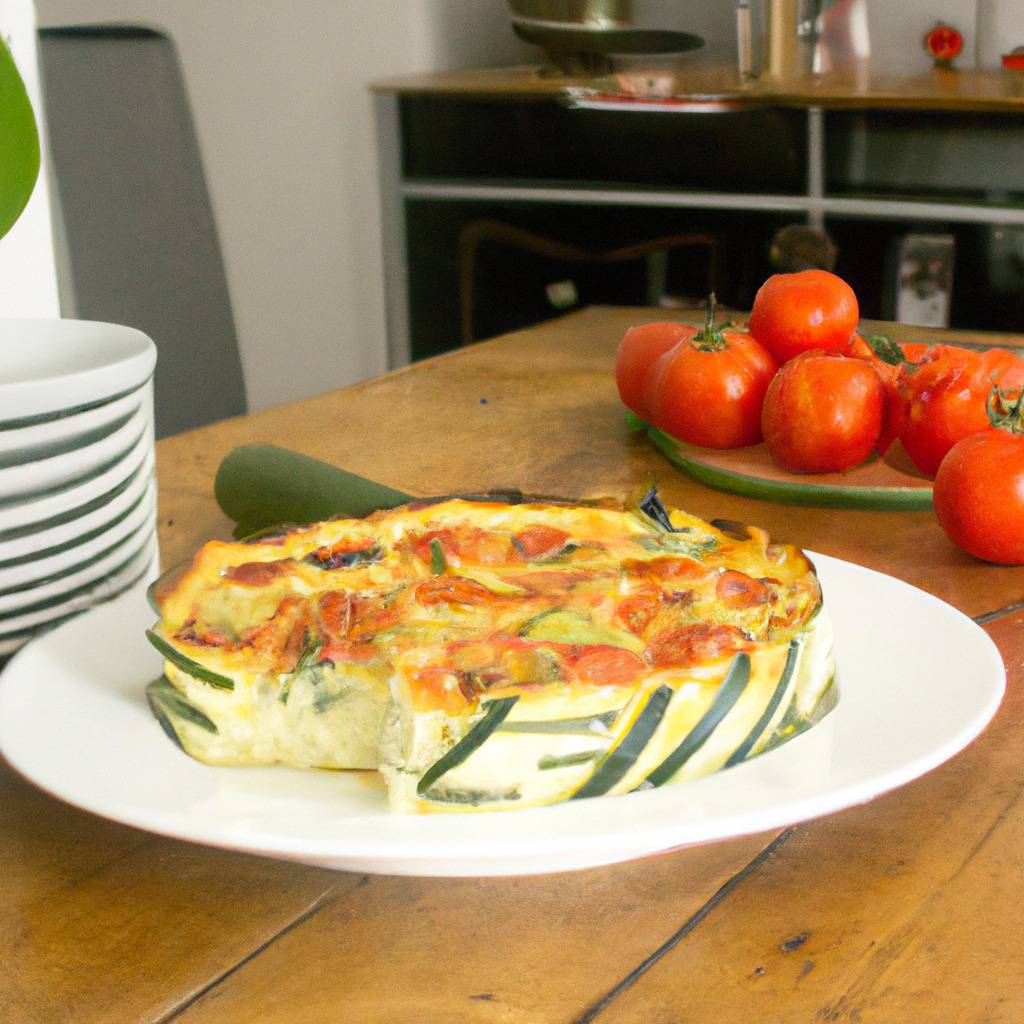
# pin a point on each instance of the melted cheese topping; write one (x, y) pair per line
(488, 598)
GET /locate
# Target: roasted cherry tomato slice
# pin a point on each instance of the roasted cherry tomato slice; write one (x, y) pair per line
(541, 541)
(611, 665)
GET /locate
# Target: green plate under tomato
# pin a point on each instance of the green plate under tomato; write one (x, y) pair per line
(891, 484)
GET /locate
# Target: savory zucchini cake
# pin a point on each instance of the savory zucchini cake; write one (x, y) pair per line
(492, 654)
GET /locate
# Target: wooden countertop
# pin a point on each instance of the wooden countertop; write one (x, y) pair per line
(904, 910)
(967, 89)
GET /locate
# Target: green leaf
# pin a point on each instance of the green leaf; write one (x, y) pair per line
(496, 712)
(19, 143)
(262, 485)
(187, 665)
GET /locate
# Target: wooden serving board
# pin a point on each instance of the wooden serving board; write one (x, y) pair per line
(892, 483)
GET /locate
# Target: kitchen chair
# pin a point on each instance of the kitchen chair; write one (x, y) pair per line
(141, 243)
(655, 254)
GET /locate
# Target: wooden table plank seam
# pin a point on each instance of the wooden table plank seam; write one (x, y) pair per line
(998, 613)
(688, 926)
(324, 900)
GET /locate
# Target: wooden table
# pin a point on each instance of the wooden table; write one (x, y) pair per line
(907, 909)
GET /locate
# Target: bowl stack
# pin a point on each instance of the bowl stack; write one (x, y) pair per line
(77, 487)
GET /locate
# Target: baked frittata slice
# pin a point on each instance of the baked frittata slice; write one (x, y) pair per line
(490, 655)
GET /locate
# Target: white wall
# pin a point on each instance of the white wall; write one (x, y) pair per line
(898, 30)
(279, 94)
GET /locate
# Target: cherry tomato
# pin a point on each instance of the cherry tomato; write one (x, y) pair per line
(979, 495)
(811, 309)
(708, 389)
(541, 541)
(823, 413)
(638, 351)
(944, 399)
(607, 665)
(890, 359)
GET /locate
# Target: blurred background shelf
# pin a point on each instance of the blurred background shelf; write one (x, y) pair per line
(868, 162)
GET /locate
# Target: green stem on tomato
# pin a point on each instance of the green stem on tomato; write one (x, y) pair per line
(1006, 411)
(888, 350)
(710, 338)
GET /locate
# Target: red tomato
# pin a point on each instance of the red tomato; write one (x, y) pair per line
(468, 544)
(541, 541)
(453, 590)
(795, 313)
(638, 351)
(897, 357)
(823, 413)
(944, 399)
(608, 665)
(979, 495)
(708, 389)
(737, 590)
(679, 646)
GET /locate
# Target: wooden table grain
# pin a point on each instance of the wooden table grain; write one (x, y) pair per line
(904, 910)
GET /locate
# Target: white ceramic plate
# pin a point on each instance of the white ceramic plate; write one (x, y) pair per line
(58, 367)
(31, 479)
(918, 681)
(70, 560)
(40, 441)
(32, 540)
(18, 628)
(39, 511)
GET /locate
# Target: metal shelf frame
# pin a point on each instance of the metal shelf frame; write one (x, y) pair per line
(815, 204)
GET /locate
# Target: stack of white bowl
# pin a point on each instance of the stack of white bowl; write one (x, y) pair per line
(77, 486)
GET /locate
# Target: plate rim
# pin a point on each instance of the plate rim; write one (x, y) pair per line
(449, 848)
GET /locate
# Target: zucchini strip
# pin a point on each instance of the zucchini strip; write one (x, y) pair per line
(161, 716)
(729, 692)
(438, 563)
(588, 725)
(187, 665)
(622, 757)
(496, 712)
(741, 752)
(163, 691)
(549, 761)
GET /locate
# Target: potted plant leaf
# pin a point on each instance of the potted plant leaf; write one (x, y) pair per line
(19, 143)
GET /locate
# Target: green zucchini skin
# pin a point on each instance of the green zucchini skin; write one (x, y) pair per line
(589, 725)
(630, 747)
(187, 665)
(497, 711)
(549, 761)
(165, 702)
(743, 750)
(729, 692)
(438, 563)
